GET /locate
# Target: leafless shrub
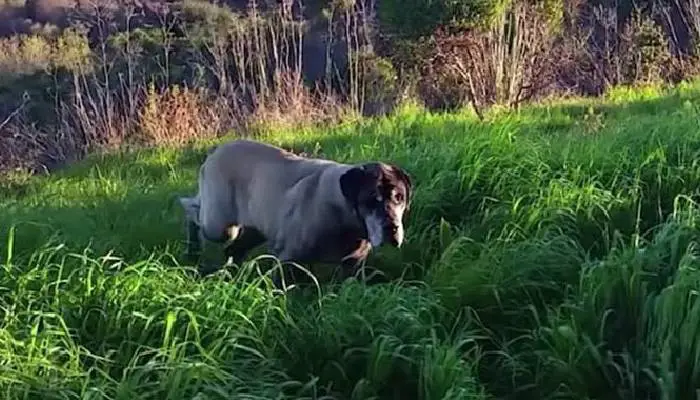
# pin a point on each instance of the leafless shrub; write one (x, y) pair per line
(96, 110)
(26, 147)
(690, 14)
(507, 63)
(440, 86)
(601, 51)
(247, 69)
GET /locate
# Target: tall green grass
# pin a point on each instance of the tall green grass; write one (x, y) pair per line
(552, 253)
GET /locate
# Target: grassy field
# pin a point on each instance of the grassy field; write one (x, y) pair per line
(551, 253)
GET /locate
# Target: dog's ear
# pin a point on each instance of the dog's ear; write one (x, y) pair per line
(407, 181)
(351, 183)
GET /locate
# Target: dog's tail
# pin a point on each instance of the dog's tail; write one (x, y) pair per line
(211, 149)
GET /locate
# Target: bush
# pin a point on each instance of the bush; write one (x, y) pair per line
(412, 19)
(506, 62)
(602, 52)
(380, 90)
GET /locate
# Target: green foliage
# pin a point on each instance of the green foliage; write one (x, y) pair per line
(35, 67)
(643, 56)
(416, 18)
(379, 83)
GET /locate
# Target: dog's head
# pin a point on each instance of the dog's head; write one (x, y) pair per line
(380, 193)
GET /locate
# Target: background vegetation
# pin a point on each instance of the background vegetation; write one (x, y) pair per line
(92, 75)
(552, 246)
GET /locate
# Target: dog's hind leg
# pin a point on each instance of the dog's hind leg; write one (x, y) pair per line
(193, 244)
(193, 238)
(284, 270)
(218, 219)
(245, 239)
(350, 264)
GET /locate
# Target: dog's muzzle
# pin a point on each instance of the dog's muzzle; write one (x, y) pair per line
(394, 232)
(380, 230)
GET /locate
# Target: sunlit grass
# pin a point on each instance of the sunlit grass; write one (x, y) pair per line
(551, 253)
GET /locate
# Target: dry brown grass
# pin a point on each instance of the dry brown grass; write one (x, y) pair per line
(176, 115)
(293, 105)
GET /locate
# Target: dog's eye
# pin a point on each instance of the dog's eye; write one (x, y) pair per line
(398, 197)
(374, 201)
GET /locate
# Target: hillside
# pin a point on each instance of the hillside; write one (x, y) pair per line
(84, 76)
(551, 253)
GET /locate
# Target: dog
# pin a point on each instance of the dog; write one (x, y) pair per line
(307, 210)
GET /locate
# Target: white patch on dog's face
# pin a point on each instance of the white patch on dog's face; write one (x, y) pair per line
(399, 235)
(375, 230)
(399, 211)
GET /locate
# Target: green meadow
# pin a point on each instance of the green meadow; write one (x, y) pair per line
(551, 253)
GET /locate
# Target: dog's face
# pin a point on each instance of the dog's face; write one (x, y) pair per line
(380, 193)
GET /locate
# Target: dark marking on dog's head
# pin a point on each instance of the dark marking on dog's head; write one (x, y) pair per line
(380, 193)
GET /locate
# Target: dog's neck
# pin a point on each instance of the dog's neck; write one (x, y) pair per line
(345, 236)
(346, 211)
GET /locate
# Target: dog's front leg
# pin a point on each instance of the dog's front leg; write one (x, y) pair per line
(283, 274)
(286, 256)
(283, 256)
(351, 263)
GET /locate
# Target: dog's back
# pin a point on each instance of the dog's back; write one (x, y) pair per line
(245, 183)
(245, 162)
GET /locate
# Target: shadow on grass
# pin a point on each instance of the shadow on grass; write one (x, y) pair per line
(133, 226)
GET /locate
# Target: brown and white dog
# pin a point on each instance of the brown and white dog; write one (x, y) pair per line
(307, 210)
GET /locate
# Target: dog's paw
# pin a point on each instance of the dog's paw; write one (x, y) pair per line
(207, 269)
